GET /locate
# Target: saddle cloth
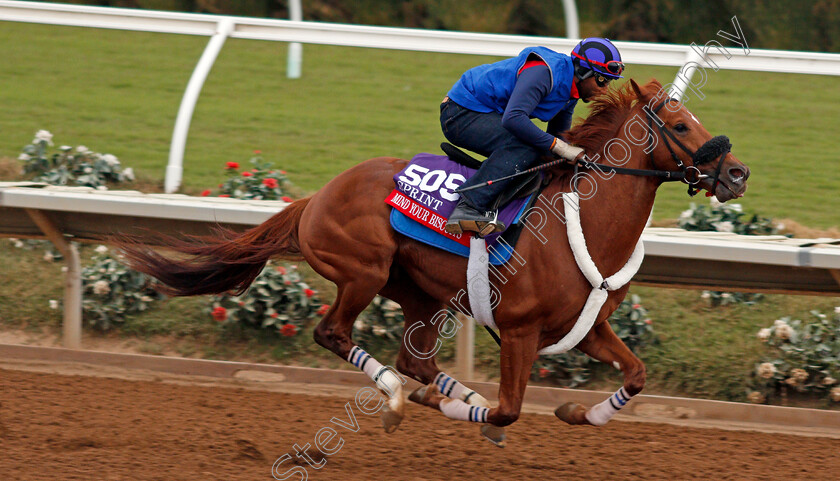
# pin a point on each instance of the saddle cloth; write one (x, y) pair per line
(423, 199)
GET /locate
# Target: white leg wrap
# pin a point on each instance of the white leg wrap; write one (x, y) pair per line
(384, 377)
(601, 413)
(457, 409)
(451, 388)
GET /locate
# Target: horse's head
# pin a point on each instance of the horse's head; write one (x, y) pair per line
(678, 139)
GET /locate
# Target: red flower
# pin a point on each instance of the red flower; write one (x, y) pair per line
(544, 372)
(232, 165)
(246, 174)
(286, 198)
(205, 193)
(219, 313)
(258, 152)
(637, 306)
(275, 315)
(323, 310)
(225, 195)
(648, 321)
(288, 282)
(288, 330)
(309, 292)
(281, 270)
(270, 183)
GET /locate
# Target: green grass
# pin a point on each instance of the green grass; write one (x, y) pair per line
(119, 92)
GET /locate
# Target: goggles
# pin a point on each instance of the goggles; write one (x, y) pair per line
(613, 66)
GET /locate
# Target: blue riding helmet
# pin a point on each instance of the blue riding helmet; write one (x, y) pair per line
(597, 55)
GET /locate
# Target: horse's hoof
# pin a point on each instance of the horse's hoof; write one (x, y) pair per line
(571, 413)
(494, 434)
(390, 419)
(393, 412)
(418, 394)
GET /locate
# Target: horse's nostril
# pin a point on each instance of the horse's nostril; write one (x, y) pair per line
(737, 174)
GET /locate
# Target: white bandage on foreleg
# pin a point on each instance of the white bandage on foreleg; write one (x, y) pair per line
(601, 413)
(457, 409)
(450, 387)
(383, 376)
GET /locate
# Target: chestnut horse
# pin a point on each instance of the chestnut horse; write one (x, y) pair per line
(343, 232)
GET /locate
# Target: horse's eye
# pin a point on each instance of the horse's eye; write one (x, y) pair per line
(681, 127)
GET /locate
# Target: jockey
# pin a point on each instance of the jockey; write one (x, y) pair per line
(489, 111)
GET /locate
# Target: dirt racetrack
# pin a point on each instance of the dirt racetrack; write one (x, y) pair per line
(55, 426)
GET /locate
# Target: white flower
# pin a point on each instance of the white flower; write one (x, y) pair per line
(780, 226)
(129, 174)
(101, 287)
(24, 157)
(837, 310)
(835, 394)
(82, 149)
(725, 295)
(360, 325)
(828, 381)
(736, 207)
(18, 244)
(686, 214)
(714, 202)
(725, 226)
(764, 334)
(65, 148)
(379, 330)
(766, 370)
(146, 299)
(48, 256)
(111, 159)
(705, 295)
(784, 331)
(101, 249)
(43, 136)
(53, 304)
(800, 375)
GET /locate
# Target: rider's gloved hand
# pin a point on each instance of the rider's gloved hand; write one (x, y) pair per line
(565, 151)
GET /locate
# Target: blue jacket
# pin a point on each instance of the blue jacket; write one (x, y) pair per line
(487, 88)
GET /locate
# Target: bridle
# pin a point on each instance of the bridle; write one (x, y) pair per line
(716, 147)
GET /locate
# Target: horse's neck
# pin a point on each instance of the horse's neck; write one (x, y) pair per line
(614, 216)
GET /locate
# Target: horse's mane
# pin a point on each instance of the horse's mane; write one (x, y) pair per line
(607, 114)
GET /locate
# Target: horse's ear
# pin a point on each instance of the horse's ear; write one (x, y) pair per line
(636, 89)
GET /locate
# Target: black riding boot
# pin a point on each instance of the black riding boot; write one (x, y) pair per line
(465, 217)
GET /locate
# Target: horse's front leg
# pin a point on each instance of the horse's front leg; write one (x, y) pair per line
(604, 345)
(519, 349)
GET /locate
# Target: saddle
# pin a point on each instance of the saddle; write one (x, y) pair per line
(521, 186)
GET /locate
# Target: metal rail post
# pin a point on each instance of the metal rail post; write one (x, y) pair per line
(175, 168)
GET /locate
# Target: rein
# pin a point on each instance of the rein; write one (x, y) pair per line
(716, 147)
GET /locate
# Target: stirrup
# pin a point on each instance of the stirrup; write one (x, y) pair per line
(481, 228)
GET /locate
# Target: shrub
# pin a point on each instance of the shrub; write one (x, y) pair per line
(80, 166)
(801, 357)
(381, 324)
(259, 183)
(278, 301)
(571, 369)
(726, 218)
(111, 290)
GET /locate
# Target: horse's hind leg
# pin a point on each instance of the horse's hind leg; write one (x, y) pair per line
(604, 345)
(519, 349)
(423, 317)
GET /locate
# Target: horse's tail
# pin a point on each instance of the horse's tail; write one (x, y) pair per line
(225, 261)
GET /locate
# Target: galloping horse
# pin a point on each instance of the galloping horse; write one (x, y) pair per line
(343, 232)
